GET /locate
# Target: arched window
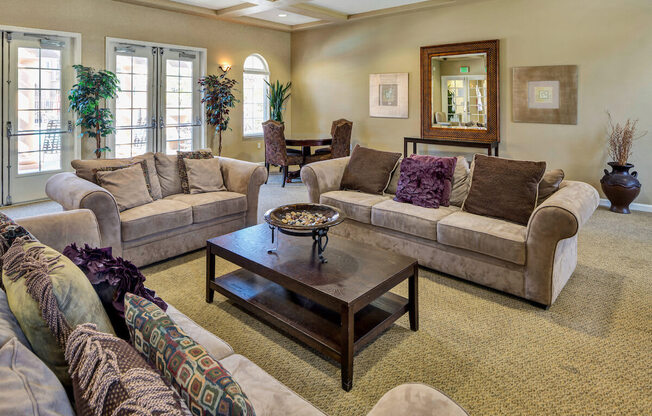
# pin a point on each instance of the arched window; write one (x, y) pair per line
(254, 95)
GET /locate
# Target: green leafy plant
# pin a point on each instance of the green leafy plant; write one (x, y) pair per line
(86, 97)
(217, 95)
(278, 94)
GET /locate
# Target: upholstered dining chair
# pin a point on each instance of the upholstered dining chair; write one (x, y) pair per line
(341, 145)
(276, 152)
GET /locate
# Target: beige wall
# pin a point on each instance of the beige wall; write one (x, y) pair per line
(611, 41)
(224, 41)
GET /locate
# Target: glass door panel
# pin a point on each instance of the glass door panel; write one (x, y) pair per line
(180, 109)
(38, 131)
(134, 108)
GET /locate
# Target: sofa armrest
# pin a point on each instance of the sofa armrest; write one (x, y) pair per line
(73, 192)
(558, 218)
(323, 176)
(416, 399)
(245, 178)
(63, 228)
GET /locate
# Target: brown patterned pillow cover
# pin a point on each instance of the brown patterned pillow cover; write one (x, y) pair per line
(109, 377)
(183, 173)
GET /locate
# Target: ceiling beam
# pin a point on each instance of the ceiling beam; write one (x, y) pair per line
(401, 9)
(256, 6)
(315, 12)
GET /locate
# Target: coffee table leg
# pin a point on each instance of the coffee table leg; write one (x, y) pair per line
(413, 284)
(346, 359)
(210, 274)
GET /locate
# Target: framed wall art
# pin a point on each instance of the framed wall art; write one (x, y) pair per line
(388, 95)
(544, 94)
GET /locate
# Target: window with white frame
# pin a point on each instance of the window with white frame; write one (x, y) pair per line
(254, 95)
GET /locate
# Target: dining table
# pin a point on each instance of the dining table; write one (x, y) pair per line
(306, 145)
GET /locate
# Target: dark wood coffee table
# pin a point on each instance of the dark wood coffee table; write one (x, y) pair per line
(335, 307)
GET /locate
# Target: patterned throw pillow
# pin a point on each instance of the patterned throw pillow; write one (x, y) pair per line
(183, 173)
(143, 165)
(9, 231)
(203, 383)
(426, 181)
(109, 377)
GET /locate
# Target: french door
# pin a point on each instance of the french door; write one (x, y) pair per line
(464, 98)
(159, 107)
(37, 130)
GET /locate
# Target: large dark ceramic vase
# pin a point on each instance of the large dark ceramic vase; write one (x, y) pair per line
(620, 186)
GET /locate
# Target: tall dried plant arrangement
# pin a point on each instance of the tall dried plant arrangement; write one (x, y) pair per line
(621, 139)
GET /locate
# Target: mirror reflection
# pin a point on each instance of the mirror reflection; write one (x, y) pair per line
(459, 91)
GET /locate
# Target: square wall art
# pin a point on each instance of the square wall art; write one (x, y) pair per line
(544, 94)
(388, 95)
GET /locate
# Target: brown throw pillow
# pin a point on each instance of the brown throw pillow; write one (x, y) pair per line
(504, 188)
(204, 175)
(550, 184)
(369, 170)
(127, 185)
(197, 154)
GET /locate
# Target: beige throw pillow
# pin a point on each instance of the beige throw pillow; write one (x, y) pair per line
(127, 186)
(168, 174)
(460, 182)
(204, 175)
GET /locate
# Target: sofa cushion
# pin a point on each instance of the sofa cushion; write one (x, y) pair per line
(461, 178)
(152, 218)
(127, 185)
(369, 170)
(355, 205)
(28, 386)
(167, 169)
(205, 385)
(9, 327)
(49, 296)
(120, 380)
(409, 219)
(211, 205)
(84, 169)
(490, 236)
(504, 188)
(204, 175)
(268, 396)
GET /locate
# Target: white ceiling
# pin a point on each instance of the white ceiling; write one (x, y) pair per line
(300, 14)
(288, 19)
(360, 6)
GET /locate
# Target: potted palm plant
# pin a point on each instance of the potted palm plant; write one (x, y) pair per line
(277, 94)
(621, 187)
(217, 95)
(86, 97)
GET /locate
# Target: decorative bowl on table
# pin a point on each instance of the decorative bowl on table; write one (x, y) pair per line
(304, 220)
(304, 217)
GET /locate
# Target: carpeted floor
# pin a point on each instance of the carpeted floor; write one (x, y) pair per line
(590, 353)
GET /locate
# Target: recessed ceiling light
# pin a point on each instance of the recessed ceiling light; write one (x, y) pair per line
(282, 15)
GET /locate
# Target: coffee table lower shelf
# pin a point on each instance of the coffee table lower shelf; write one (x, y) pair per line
(308, 321)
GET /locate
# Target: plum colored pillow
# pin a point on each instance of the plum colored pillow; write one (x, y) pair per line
(426, 181)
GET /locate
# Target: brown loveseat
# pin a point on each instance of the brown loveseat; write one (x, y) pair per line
(533, 261)
(169, 226)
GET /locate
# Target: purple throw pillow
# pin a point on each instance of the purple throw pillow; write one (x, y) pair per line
(426, 181)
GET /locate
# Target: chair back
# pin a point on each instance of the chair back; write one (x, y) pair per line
(440, 117)
(275, 148)
(341, 133)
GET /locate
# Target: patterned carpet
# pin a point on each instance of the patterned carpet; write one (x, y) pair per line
(590, 353)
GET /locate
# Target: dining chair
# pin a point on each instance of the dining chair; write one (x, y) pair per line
(341, 145)
(276, 152)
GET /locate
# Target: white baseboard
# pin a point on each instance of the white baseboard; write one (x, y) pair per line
(634, 206)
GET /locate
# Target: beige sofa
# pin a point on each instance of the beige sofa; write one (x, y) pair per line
(172, 225)
(533, 261)
(268, 396)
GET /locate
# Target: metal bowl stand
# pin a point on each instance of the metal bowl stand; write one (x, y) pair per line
(319, 236)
